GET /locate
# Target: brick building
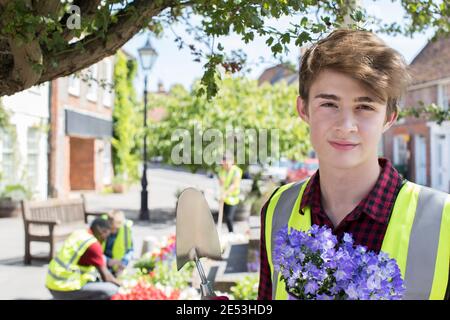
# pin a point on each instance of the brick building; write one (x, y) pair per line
(81, 130)
(278, 73)
(420, 148)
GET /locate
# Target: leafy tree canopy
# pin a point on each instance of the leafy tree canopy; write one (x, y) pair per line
(267, 110)
(41, 40)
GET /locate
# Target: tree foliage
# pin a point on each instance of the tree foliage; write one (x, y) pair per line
(37, 45)
(430, 112)
(125, 120)
(241, 104)
(4, 116)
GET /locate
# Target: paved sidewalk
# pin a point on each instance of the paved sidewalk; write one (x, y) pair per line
(18, 281)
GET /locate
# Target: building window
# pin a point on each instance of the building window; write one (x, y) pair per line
(8, 167)
(446, 96)
(108, 90)
(33, 157)
(74, 85)
(420, 154)
(92, 78)
(401, 154)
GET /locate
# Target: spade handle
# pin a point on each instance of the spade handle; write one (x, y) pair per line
(220, 218)
(205, 286)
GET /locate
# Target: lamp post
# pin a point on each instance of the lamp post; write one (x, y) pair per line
(147, 55)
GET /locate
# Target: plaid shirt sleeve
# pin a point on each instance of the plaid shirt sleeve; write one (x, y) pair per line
(265, 280)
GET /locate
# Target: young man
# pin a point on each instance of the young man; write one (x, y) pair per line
(72, 274)
(350, 85)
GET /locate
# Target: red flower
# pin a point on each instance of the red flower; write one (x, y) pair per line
(143, 291)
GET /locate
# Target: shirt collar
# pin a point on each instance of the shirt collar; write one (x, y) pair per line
(370, 205)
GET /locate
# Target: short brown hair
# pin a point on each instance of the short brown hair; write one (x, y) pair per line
(361, 55)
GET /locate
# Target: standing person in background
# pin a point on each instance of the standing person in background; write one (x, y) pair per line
(230, 176)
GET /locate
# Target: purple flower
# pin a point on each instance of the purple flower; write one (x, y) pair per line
(315, 266)
(324, 297)
(291, 282)
(351, 292)
(374, 282)
(340, 274)
(347, 238)
(311, 287)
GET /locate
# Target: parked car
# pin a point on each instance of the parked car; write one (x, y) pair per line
(254, 169)
(302, 170)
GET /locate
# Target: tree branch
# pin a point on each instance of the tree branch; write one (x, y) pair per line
(44, 7)
(88, 10)
(25, 55)
(94, 47)
(28, 56)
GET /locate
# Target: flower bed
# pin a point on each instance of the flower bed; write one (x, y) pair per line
(144, 290)
(155, 277)
(166, 252)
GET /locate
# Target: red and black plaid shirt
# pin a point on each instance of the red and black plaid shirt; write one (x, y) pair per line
(367, 222)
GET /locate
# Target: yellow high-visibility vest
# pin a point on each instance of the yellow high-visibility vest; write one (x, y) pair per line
(228, 178)
(417, 237)
(123, 241)
(64, 273)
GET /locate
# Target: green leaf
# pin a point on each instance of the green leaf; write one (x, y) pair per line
(249, 36)
(269, 41)
(277, 48)
(285, 38)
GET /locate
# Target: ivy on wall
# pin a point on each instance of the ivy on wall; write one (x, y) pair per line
(126, 117)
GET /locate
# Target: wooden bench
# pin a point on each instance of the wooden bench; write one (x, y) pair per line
(52, 221)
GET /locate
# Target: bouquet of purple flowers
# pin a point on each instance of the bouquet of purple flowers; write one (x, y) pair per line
(314, 266)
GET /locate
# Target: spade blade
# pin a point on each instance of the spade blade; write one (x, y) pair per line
(196, 234)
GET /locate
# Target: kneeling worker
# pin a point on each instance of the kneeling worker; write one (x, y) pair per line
(73, 273)
(118, 247)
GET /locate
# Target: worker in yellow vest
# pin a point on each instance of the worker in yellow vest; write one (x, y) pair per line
(230, 176)
(118, 247)
(74, 273)
(350, 86)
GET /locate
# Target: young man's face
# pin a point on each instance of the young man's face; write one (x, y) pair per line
(346, 122)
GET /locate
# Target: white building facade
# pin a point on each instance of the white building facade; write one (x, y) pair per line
(24, 144)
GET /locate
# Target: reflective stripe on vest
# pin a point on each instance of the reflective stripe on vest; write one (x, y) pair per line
(424, 241)
(75, 254)
(55, 276)
(418, 236)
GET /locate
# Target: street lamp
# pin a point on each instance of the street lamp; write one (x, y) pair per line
(147, 55)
